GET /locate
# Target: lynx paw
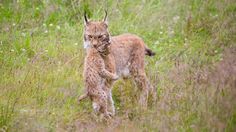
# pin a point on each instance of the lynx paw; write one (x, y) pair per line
(116, 77)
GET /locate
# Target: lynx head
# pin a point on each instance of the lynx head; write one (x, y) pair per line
(96, 34)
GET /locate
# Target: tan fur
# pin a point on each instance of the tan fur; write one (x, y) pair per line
(124, 55)
(129, 52)
(99, 68)
(95, 76)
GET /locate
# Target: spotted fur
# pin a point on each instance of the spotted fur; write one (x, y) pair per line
(126, 55)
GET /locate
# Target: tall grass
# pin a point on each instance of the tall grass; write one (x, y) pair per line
(41, 64)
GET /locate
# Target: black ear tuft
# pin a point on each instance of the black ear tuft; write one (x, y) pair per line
(105, 18)
(85, 18)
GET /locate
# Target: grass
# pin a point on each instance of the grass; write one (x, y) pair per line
(41, 64)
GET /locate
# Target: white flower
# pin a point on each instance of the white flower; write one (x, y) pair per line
(12, 50)
(58, 27)
(157, 42)
(76, 44)
(46, 50)
(176, 18)
(23, 34)
(46, 31)
(50, 24)
(14, 24)
(23, 49)
(161, 32)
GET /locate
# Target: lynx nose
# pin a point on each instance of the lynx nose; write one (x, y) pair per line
(95, 43)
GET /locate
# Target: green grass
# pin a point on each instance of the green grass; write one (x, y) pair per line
(41, 65)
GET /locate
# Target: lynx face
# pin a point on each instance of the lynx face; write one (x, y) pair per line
(96, 35)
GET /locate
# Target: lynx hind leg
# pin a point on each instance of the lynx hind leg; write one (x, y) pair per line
(142, 83)
(99, 103)
(111, 106)
(137, 69)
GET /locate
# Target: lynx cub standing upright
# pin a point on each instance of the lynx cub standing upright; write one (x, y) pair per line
(98, 70)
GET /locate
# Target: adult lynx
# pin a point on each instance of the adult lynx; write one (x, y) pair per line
(128, 51)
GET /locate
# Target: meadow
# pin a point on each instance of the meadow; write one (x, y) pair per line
(194, 70)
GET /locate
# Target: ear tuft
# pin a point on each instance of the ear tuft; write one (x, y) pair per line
(105, 18)
(86, 21)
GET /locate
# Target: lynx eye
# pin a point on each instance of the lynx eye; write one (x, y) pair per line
(100, 36)
(89, 36)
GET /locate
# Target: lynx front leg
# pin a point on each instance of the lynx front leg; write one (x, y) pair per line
(103, 72)
(108, 75)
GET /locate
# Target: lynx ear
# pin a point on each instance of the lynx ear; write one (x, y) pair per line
(86, 21)
(105, 18)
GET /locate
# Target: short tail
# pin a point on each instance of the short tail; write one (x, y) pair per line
(149, 52)
(82, 97)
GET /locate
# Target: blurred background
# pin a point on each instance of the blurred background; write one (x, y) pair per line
(194, 70)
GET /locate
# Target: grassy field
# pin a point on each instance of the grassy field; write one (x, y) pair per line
(194, 70)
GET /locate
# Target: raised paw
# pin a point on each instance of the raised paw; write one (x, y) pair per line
(116, 77)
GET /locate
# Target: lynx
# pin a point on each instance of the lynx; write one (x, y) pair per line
(99, 70)
(128, 52)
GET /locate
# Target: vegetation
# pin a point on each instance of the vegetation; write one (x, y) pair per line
(194, 71)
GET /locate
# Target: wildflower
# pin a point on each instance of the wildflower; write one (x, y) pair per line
(50, 24)
(176, 18)
(76, 44)
(12, 50)
(23, 34)
(161, 32)
(157, 42)
(46, 50)
(23, 49)
(58, 27)
(46, 31)
(13, 24)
